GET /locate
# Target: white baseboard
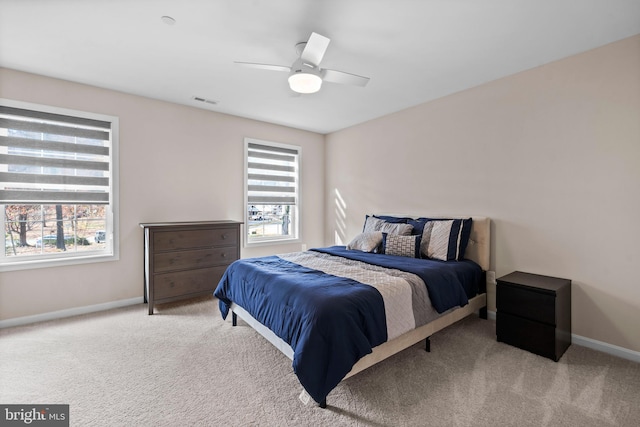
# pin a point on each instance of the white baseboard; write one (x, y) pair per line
(18, 321)
(604, 347)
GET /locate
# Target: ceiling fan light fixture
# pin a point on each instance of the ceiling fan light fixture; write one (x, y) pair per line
(305, 82)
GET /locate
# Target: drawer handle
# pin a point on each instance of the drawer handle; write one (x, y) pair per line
(224, 236)
(223, 255)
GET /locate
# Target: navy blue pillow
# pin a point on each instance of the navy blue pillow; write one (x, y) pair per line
(418, 225)
(392, 219)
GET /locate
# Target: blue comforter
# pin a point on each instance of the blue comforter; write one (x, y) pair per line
(329, 321)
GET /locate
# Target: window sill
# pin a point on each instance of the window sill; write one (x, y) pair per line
(56, 262)
(271, 242)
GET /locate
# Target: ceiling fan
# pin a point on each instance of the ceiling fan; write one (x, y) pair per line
(305, 75)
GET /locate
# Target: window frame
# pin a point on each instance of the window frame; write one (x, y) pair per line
(111, 253)
(296, 220)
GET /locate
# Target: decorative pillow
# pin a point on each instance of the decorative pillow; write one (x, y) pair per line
(376, 224)
(393, 219)
(367, 242)
(446, 239)
(393, 244)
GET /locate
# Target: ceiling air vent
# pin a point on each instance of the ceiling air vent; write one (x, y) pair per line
(206, 101)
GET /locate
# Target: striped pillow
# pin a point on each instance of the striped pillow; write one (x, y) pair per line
(445, 240)
(374, 224)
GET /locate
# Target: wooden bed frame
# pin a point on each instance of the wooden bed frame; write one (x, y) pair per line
(478, 250)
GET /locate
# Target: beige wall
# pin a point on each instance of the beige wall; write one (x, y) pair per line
(176, 163)
(552, 155)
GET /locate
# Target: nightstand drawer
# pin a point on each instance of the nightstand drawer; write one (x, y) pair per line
(527, 303)
(535, 337)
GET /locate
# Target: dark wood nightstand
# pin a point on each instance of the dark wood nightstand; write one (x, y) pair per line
(534, 313)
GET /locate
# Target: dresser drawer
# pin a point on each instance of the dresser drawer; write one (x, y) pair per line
(535, 337)
(527, 303)
(200, 258)
(189, 239)
(167, 285)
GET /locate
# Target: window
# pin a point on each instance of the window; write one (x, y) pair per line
(57, 186)
(272, 178)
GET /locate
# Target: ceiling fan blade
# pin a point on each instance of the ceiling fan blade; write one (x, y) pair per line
(264, 66)
(341, 77)
(315, 49)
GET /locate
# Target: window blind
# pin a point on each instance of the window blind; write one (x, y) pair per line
(48, 158)
(272, 175)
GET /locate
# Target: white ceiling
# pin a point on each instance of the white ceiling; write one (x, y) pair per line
(413, 50)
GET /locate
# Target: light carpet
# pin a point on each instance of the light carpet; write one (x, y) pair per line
(184, 366)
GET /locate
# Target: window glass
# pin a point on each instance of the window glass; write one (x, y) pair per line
(34, 229)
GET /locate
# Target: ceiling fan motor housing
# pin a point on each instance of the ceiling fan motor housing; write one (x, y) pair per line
(304, 77)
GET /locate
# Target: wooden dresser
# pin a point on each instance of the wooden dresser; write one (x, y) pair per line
(534, 313)
(187, 259)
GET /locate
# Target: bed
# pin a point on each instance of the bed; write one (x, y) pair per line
(338, 310)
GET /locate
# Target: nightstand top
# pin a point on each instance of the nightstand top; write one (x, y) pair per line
(535, 280)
